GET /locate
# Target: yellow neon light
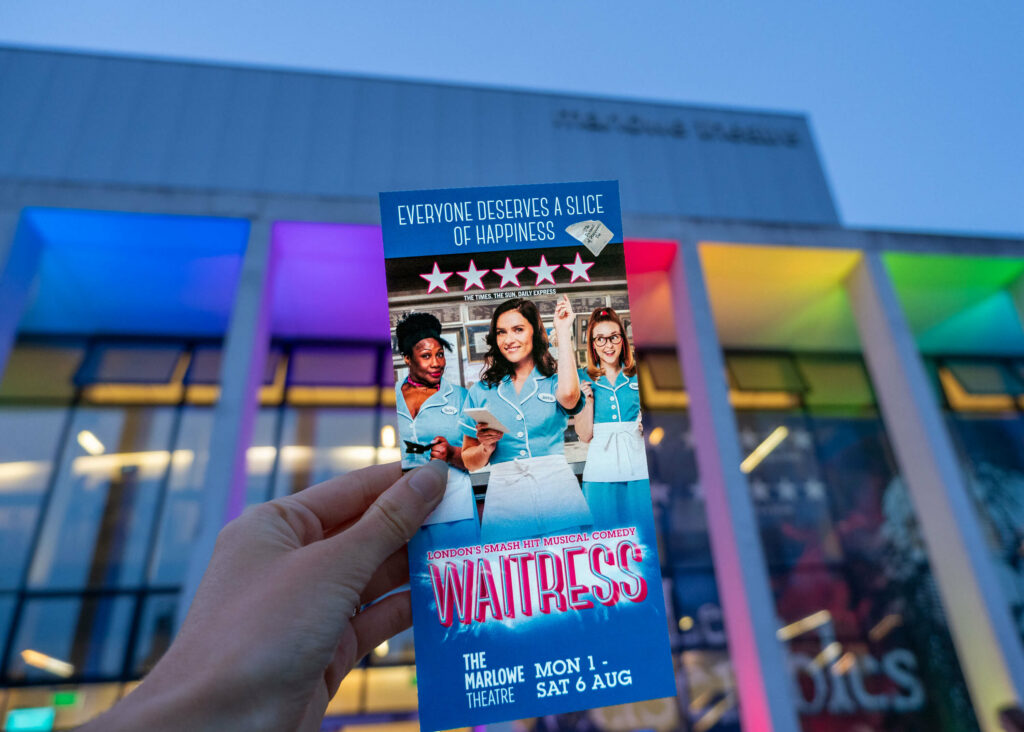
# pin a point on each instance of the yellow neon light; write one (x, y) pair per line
(715, 713)
(152, 462)
(273, 393)
(801, 626)
(117, 393)
(845, 663)
(763, 399)
(685, 623)
(657, 435)
(764, 449)
(91, 443)
(382, 649)
(48, 663)
(963, 401)
(16, 472)
(885, 626)
(387, 436)
(828, 654)
(341, 396)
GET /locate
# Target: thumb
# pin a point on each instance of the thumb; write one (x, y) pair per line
(389, 522)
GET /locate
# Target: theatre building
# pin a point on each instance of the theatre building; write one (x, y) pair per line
(193, 320)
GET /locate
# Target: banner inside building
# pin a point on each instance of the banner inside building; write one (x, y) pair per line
(536, 584)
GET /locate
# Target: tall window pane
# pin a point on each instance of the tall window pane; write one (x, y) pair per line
(100, 518)
(27, 452)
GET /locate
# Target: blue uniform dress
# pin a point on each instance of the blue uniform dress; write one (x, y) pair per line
(531, 490)
(615, 480)
(439, 416)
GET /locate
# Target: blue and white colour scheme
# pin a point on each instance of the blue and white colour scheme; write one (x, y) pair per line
(548, 597)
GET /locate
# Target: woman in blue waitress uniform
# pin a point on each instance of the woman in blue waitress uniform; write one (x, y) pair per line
(615, 480)
(532, 491)
(428, 407)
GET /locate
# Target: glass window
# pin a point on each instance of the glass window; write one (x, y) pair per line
(261, 456)
(334, 366)
(157, 627)
(320, 443)
(70, 637)
(182, 504)
(97, 528)
(985, 377)
(130, 364)
(41, 372)
(764, 373)
(27, 453)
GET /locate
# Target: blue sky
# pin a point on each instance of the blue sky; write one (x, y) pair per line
(917, 106)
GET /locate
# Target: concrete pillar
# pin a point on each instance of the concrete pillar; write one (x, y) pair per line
(986, 641)
(244, 356)
(24, 249)
(763, 679)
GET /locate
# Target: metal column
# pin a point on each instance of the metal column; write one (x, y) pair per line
(241, 374)
(986, 641)
(763, 678)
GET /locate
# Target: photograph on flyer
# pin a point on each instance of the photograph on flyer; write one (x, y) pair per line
(516, 367)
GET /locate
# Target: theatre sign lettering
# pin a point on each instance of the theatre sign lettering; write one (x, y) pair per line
(704, 130)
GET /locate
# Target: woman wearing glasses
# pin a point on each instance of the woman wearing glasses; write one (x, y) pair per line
(531, 490)
(615, 477)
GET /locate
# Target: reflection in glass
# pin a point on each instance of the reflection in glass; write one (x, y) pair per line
(320, 443)
(156, 630)
(179, 519)
(98, 523)
(991, 448)
(27, 452)
(70, 637)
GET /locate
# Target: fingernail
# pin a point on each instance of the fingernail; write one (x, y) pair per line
(429, 481)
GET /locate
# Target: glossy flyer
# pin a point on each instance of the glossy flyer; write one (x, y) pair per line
(536, 584)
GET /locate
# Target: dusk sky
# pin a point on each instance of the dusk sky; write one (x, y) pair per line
(917, 107)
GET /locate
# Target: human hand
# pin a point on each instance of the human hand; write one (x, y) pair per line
(486, 436)
(564, 315)
(587, 389)
(275, 624)
(441, 450)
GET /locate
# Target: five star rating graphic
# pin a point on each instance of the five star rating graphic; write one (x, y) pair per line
(474, 277)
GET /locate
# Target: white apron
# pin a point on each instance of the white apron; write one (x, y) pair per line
(531, 497)
(458, 502)
(616, 453)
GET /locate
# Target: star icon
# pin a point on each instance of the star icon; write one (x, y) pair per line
(814, 489)
(579, 269)
(544, 271)
(437, 279)
(509, 273)
(474, 277)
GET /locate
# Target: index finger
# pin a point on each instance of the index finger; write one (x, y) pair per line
(340, 499)
(391, 520)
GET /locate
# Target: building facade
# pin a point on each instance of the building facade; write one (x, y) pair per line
(193, 319)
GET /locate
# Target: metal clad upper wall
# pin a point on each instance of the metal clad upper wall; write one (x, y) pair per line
(95, 119)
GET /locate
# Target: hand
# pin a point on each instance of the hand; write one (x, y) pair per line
(442, 449)
(274, 625)
(486, 436)
(564, 315)
(587, 389)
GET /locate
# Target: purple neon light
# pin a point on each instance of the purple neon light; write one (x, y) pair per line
(328, 282)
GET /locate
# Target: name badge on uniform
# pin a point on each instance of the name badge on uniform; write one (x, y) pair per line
(634, 386)
(546, 397)
(449, 409)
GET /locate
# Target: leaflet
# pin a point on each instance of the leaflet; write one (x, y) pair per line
(536, 584)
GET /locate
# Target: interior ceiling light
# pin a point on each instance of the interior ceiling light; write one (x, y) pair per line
(764, 449)
(90, 443)
(48, 663)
